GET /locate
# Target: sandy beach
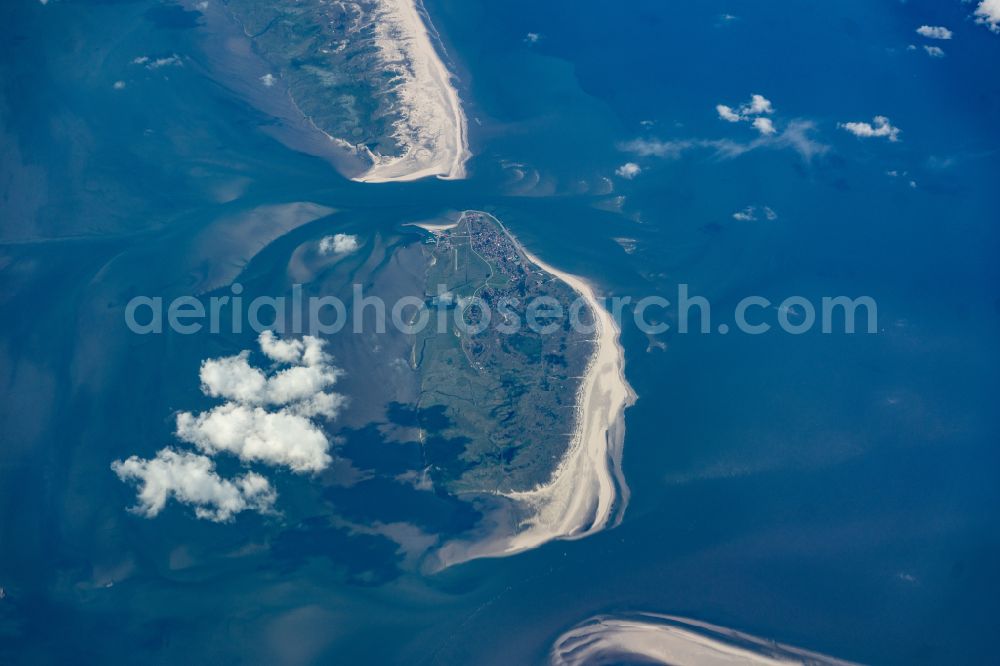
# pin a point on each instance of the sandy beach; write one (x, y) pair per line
(587, 492)
(668, 639)
(430, 228)
(433, 129)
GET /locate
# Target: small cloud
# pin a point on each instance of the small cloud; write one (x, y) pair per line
(169, 61)
(532, 38)
(254, 434)
(119, 85)
(628, 171)
(140, 60)
(764, 125)
(203, 5)
(729, 17)
(758, 105)
(727, 113)
(752, 214)
(934, 51)
(191, 479)
(988, 14)
(879, 127)
(281, 351)
(267, 80)
(934, 32)
(911, 47)
(913, 184)
(338, 244)
(647, 123)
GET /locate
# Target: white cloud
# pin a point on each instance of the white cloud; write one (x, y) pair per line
(879, 127)
(764, 125)
(796, 135)
(266, 417)
(244, 427)
(256, 435)
(934, 51)
(267, 80)
(988, 14)
(628, 171)
(532, 37)
(727, 113)
(757, 106)
(233, 378)
(753, 112)
(934, 32)
(119, 85)
(750, 214)
(150, 63)
(281, 351)
(338, 244)
(191, 479)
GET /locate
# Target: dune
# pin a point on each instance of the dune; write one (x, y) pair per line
(433, 128)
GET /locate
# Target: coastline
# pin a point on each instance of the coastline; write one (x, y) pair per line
(434, 129)
(587, 492)
(433, 229)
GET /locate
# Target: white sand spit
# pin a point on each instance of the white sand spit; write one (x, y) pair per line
(433, 128)
(666, 639)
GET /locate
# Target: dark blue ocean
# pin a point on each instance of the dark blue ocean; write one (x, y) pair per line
(837, 492)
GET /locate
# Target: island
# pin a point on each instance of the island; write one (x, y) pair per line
(522, 391)
(366, 75)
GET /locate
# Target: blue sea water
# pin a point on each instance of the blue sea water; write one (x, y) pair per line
(836, 492)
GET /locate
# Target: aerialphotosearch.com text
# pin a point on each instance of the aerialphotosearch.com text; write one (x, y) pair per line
(686, 313)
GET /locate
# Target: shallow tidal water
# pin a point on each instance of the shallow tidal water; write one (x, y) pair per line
(834, 492)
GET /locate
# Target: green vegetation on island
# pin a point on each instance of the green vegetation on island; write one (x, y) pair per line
(498, 392)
